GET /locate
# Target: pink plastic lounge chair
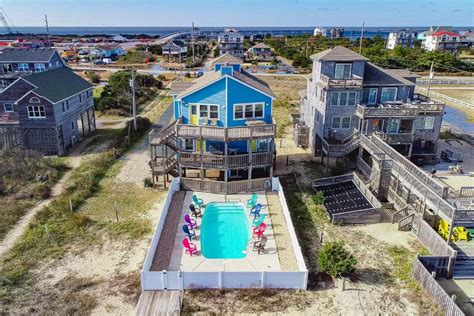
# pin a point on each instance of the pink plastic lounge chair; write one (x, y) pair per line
(258, 231)
(190, 247)
(190, 222)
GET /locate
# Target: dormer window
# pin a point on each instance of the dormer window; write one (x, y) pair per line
(343, 71)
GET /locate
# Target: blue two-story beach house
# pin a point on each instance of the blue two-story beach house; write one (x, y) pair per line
(222, 140)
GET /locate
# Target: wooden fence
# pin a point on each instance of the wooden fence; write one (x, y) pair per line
(428, 281)
(220, 187)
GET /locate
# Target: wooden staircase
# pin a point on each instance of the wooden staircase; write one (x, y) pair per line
(165, 160)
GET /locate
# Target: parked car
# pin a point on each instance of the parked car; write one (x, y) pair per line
(99, 62)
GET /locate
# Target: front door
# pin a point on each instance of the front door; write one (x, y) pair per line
(193, 115)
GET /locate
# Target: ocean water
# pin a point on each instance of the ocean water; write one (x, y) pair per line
(350, 32)
(225, 231)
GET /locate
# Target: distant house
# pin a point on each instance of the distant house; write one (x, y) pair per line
(231, 42)
(259, 51)
(321, 31)
(47, 112)
(119, 39)
(108, 51)
(175, 51)
(404, 38)
(441, 40)
(17, 62)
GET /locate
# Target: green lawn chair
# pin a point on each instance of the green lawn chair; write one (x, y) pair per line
(198, 202)
(256, 222)
(252, 202)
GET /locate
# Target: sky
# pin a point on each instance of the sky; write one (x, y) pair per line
(240, 12)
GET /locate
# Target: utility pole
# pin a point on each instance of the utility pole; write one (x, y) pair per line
(192, 41)
(361, 37)
(134, 106)
(47, 29)
(430, 78)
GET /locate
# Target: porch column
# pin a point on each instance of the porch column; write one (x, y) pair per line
(249, 147)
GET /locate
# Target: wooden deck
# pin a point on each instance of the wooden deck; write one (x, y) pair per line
(159, 303)
(164, 249)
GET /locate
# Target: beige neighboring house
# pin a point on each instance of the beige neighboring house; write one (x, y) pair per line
(259, 52)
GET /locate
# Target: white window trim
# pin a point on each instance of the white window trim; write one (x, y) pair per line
(332, 122)
(5, 108)
(368, 96)
(341, 118)
(22, 70)
(198, 105)
(253, 111)
(189, 150)
(42, 66)
(350, 122)
(350, 70)
(396, 93)
(36, 117)
(347, 93)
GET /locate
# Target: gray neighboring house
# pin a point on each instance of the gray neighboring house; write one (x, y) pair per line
(404, 38)
(175, 51)
(259, 51)
(17, 62)
(231, 42)
(347, 96)
(47, 112)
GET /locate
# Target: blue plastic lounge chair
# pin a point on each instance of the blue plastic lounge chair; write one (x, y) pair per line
(189, 234)
(258, 220)
(256, 210)
(198, 202)
(252, 202)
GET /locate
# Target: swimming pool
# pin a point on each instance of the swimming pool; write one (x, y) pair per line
(224, 231)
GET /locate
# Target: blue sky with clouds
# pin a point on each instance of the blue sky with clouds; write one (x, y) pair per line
(240, 12)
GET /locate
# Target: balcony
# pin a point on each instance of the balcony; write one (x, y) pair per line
(213, 161)
(334, 148)
(353, 82)
(409, 109)
(398, 138)
(254, 130)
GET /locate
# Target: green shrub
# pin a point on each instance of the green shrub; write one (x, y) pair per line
(147, 183)
(319, 198)
(335, 260)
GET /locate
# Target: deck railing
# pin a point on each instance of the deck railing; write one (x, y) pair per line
(231, 187)
(420, 104)
(398, 137)
(211, 161)
(226, 133)
(345, 147)
(355, 81)
(364, 168)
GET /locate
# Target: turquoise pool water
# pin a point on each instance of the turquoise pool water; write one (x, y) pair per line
(224, 231)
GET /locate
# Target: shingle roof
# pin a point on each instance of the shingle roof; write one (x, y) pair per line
(242, 76)
(405, 73)
(254, 82)
(260, 45)
(42, 55)
(178, 87)
(338, 53)
(179, 43)
(227, 59)
(374, 75)
(58, 84)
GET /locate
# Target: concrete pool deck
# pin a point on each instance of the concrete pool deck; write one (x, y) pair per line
(267, 261)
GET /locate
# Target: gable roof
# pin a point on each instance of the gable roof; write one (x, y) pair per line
(179, 43)
(58, 84)
(261, 45)
(178, 87)
(14, 55)
(375, 75)
(214, 76)
(405, 73)
(226, 59)
(338, 53)
(441, 33)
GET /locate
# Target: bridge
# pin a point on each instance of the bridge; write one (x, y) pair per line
(166, 39)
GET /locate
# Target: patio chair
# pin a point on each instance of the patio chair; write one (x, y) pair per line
(252, 202)
(193, 210)
(189, 234)
(192, 223)
(260, 244)
(258, 220)
(198, 202)
(255, 211)
(189, 247)
(258, 231)
(461, 233)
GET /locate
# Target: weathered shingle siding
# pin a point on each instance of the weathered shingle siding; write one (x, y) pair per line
(26, 121)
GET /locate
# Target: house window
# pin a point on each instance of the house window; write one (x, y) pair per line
(67, 105)
(343, 71)
(7, 68)
(248, 111)
(343, 98)
(36, 111)
(336, 122)
(40, 67)
(372, 96)
(189, 144)
(346, 122)
(209, 111)
(80, 97)
(23, 67)
(73, 126)
(34, 100)
(388, 94)
(63, 107)
(394, 126)
(8, 107)
(429, 122)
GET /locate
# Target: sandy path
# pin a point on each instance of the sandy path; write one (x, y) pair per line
(74, 161)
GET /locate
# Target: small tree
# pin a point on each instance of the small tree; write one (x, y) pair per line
(335, 260)
(319, 198)
(93, 76)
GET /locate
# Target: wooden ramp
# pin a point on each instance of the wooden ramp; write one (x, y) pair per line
(159, 303)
